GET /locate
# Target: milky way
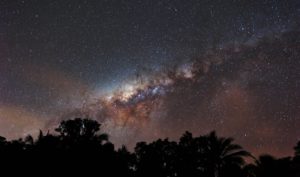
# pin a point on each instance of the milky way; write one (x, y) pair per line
(154, 69)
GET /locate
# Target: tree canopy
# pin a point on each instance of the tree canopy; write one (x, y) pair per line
(81, 149)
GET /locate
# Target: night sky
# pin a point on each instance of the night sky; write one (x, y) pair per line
(149, 69)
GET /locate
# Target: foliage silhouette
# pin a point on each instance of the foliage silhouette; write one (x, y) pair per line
(79, 149)
(297, 149)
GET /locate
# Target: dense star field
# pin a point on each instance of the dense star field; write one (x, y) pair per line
(149, 69)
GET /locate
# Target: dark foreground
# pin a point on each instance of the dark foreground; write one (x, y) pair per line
(79, 150)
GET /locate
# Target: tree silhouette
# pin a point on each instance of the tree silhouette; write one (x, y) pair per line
(156, 158)
(126, 161)
(3, 144)
(295, 166)
(79, 149)
(190, 152)
(2, 141)
(221, 153)
(81, 133)
(78, 127)
(29, 140)
(297, 149)
(269, 166)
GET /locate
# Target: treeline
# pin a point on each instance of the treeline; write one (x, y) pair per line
(78, 149)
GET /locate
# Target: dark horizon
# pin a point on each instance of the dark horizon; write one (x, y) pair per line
(79, 148)
(56, 132)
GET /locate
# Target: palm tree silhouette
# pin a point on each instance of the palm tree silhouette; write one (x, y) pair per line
(220, 153)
